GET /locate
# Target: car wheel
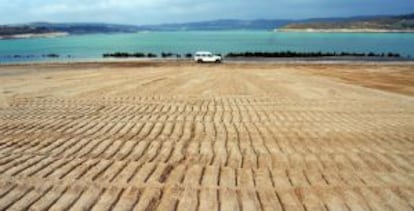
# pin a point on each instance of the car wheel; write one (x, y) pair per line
(199, 61)
(218, 61)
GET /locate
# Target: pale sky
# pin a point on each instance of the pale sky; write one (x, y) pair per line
(140, 12)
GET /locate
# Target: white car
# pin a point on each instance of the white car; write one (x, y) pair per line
(205, 56)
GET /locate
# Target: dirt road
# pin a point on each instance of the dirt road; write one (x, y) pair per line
(177, 136)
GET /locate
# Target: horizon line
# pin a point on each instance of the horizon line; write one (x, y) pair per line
(211, 20)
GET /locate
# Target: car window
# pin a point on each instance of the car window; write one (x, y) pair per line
(204, 55)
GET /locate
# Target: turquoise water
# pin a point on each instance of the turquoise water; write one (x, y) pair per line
(93, 46)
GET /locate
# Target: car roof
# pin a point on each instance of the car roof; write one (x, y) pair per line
(203, 52)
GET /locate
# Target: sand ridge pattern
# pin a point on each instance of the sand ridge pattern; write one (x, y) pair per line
(189, 137)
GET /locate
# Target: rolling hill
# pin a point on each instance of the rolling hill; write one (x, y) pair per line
(403, 23)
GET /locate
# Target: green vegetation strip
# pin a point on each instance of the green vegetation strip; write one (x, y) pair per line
(281, 54)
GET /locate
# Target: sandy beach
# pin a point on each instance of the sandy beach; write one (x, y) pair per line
(32, 35)
(147, 135)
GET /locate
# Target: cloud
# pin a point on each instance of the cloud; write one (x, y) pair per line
(157, 11)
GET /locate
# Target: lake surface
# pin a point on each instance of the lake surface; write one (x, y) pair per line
(78, 47)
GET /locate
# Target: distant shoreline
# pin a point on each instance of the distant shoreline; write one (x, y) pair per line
(34, 35)
(310, 30)
(245, 57)
(241, 60)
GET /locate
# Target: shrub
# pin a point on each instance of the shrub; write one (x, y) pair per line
(52, 55)
(138, 55)
(166, 55)
(151, 55)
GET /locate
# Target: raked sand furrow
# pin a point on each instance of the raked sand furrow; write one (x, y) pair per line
(187, 137)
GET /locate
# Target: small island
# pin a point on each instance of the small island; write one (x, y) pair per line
(389, 24)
